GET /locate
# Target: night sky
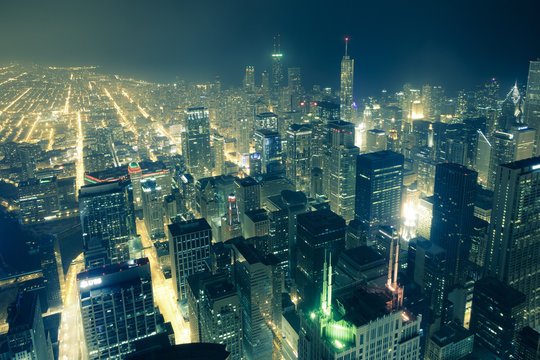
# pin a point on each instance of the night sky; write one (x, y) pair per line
(453, 43)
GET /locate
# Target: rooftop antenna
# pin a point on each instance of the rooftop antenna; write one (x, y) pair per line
(346, 45)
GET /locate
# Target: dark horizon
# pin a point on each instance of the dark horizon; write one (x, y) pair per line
(456, 45)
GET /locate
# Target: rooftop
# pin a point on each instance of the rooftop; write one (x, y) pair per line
(530, 164)
(450, 333)
(321, 221)
(111, 269)
(363, 255)
(189, 226)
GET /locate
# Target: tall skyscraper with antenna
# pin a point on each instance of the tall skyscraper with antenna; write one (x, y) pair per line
(346, 94)
(277, 66)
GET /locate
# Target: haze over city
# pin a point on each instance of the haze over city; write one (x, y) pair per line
(271, 180)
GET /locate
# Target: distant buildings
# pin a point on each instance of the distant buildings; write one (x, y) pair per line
(346, 92)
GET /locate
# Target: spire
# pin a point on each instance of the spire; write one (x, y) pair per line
(346, 45)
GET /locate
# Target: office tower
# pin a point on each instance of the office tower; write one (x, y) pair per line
(340, 168)
(267, 121)
(230, 222)
(358, 325)
(38, 200)
(253, 278)
(528, 344)
(298, 160)
(483, 156)
(507, 147)
(265, 83)
(339, 133)
(512, 253)
(277, 66)
(249, 78)
(427, 265)
(451, 341)
(196, 143)
(117, 308)
(255, 224)
(243, 133)
(153, 209)
(107, 222)
(341, 173)
(189, 247)
(27, 161)
(379, 177)
(320, 235)
(453, 213)
(26, 337)
(294, 79)
(346, 93)
(268, 144)
(283, 210)
(51, 266)
(532, 102)
(497, 316)
(376, 140)
(255, 165)
(215, 312)
(218, 146)
(328, 111)
(248, 195)
(317, 181)
(511, 110)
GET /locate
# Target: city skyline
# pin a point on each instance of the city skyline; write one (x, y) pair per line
(289, 209)
(391, 45)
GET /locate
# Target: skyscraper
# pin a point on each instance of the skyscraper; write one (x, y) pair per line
(196, 143)
(253, 278)
(453, 214)
(249, 78)
(153, 209)
(320, 239)
(51, 265)
(215, 311)
(532, 102)
(248, 195)
(268, 144)
(346, 93)
(38, 200)
(497, 316)
(359, 325)
(117, 308)
(298, 160)
(107, 222)
(189, 248)
(513, 250)
(379, 177)
(506, 147)
(277, 66)
(26, 337)
(340, 168)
